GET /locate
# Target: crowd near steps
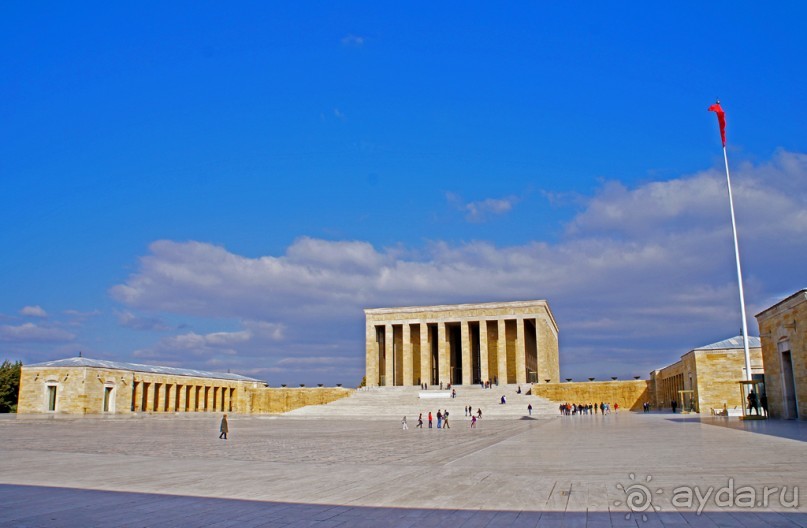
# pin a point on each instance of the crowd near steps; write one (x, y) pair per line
(385, 402)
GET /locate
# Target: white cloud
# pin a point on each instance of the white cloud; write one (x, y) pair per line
(306, 362)
(82, 315)
(481, 210)
(355, 41)
(33, 311)
(641, 275)
(129, 320)
(209, 350)
(29, 332)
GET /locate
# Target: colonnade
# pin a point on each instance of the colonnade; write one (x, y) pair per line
(155, 395)
(461, 345)
(667, 389)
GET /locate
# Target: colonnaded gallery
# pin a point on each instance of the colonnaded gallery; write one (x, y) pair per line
(462, 344)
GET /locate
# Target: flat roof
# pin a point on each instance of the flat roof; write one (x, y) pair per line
(136, 367)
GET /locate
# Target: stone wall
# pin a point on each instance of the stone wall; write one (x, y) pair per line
(269, 400)
(629, 394)
(718, 376)
(783, 328)
(83, 390)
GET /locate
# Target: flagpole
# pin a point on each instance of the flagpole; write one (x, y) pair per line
(739, 271)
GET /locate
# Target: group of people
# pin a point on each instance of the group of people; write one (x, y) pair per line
(442, 419)
(569, 409)
(754, 403)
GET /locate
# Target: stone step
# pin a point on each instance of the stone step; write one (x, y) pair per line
(384, 403)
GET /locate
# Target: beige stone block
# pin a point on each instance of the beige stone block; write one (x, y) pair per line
(466, 353)
(501, 352)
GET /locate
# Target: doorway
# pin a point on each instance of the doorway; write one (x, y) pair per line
(791, 407)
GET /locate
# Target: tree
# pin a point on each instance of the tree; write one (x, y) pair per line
(9, 385)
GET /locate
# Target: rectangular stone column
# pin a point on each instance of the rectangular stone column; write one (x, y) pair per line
(407, 355)
(389, 371)
(425, 355)
(180, 398)
(145, 398)
(443, 372)
(521, 352)
(150, 396)
(483, 350)
(371, 356)
(501, 352)
(540, 360)
(137, 395)
(547, 345)
(465, 337)
(168, 403)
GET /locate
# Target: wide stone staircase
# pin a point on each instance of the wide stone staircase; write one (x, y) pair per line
(384, 403)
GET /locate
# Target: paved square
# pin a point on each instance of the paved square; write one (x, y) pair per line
(551, 471)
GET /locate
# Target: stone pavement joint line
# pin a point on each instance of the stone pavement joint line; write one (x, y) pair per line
(559, 471)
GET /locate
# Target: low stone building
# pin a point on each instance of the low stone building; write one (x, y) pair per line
(712, 373)
(783, 328)
(461, 344)
(90, 386)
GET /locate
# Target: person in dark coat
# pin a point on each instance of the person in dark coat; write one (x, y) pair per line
(224, 428)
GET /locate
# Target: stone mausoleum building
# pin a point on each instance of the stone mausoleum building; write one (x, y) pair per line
(462, 344)
(783, 329)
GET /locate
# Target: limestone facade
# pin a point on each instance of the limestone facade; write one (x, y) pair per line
(462, 344)
(783, 329)
(712, 372)
(88, 386)
(628, 394)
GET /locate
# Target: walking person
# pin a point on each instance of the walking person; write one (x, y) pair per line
(420, 421)
(224, 428)
(445, 420)
(529, 408)
(439, 419)
(473, 422)
(430, 419)
(403, 424)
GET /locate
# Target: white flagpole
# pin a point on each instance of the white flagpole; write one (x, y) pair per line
(739, 271)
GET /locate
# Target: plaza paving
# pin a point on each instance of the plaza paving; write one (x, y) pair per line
(551, 471)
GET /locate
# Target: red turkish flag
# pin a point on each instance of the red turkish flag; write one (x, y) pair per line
(721, 119)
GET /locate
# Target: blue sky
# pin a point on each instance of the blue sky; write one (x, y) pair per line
(227, 186)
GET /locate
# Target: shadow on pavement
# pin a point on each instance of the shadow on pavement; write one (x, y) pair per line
(64, 507)
(790, 429)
